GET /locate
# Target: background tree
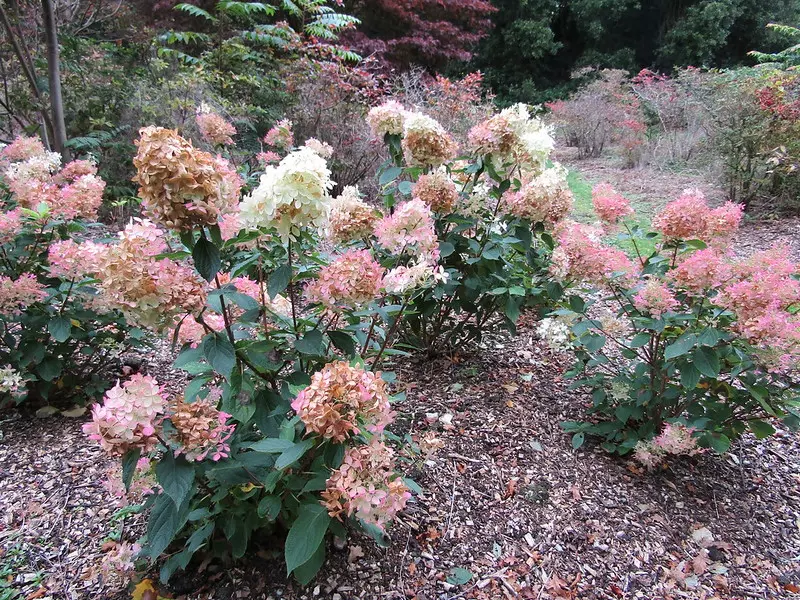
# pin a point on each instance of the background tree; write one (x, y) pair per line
(427, 33)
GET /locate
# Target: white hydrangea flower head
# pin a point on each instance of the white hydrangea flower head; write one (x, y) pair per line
(555, 332)
(291, 195)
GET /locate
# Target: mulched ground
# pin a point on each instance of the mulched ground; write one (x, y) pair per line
(507, 503)
(506, 498)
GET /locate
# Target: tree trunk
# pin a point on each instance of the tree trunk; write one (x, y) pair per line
(54, 77)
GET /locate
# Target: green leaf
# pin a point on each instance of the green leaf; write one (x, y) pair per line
(308, 570)
(199, 536)
(269, 507)
(311, 343)
(206, 258)
(176, 476)
(459, 576)
(593, 341)
(720, 442)
(389, 175)
(690, 376)
(49, 368)
(680, 346)
(220, 354)
(60, 327)
(639, 340)
(706, 361)
(293, 454)
(272, 445)
(446, 249)
(279, 280)
(578, 439)
(761, 429)
(343, 341)
(164, 523)
(405, 187)
(129, 460)
(306, 535)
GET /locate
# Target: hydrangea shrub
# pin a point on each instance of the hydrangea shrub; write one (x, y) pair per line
(688, 346)
(59, 339)
(484, 213)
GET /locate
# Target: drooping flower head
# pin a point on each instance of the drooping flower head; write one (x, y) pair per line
(437, 190)
(350, 217)
(409, 229)
(128, 417)
(425, 142)
(201, 430)
(366, 486)
(324, 149)
(342, 400)
(388, 118)
(290, 196)
(610, 205)
(513, 137)
(350, 280)
(181, 187)
(545, 198)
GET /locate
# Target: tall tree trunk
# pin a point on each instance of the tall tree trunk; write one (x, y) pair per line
(30, 76)
(54, 77)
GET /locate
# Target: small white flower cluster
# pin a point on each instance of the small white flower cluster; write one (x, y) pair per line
(36, 167)
(555, 332)
(10, 381)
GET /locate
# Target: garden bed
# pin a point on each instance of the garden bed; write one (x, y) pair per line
(506, 498)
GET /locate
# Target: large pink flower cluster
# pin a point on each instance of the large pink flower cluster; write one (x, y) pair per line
(351, 279)
(388, 118)
(610, 205)
(350, 218)
(655, 298)
(10, 225)
(341, 400)
(72, 260)
(201, 430)
(366, 486)
(425, 142)
(152, 293)
(674, 439)
(129, 415)
(689, 217)
(702, 270)
(409, 229)
(581, 255)
(17, 294)
(761, 293)
(33, 178)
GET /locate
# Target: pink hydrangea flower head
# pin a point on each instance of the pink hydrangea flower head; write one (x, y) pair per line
(350, 218)
(81, 198)
(437, 190)
(648, 454)
(350, 280)
(544, 198)
(685, 218)
(201, 430)
(268, 158)
(281, 135)
(409, 229)
(655, 298)
(610, 205)
(74, 170)
(129, 416)
(581, 255)
(425, 142)
(366, 486)
(702, 270)
(724, 220)
(18, 294)
(323, 149)
(215, 129)
(71, 260)
(23, 148)
(341, 400)
(676, 439)
(11, 223)
(404, 279)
